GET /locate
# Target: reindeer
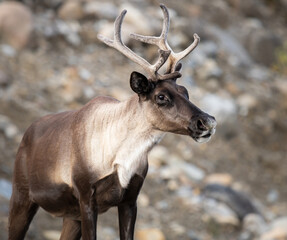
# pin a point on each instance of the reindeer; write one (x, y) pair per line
(78, 164)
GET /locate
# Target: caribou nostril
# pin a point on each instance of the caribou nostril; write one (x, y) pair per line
(200, 125)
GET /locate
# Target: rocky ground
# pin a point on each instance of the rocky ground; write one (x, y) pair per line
(233, 187)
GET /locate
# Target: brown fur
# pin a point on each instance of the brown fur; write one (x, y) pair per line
(78, 164)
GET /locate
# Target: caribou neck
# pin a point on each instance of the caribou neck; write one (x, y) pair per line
(124, 139)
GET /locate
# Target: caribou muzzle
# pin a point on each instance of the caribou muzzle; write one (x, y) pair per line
(202, 127)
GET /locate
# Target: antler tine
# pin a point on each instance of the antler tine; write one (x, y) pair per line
(162, 43)
(118, 44)
(166, 22)
(176, 57)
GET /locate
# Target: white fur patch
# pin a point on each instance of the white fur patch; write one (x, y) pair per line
(120, 138)
(134, 159)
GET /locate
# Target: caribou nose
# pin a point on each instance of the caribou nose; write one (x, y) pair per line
(211, 122)
(206, 123)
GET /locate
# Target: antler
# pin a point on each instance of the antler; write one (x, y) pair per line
(162, 43)
(118, 44)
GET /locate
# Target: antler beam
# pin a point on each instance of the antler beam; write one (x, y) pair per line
(162, 43)
(165, 52)
(118, 44)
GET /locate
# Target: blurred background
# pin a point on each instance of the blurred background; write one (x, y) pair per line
(233, 187)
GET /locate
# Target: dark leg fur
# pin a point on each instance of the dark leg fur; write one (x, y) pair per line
(127, 219)
(89, 217)
(22, 211)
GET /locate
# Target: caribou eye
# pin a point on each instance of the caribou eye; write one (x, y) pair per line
(162, 99)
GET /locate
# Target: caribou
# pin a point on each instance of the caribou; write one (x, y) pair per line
(78, 164)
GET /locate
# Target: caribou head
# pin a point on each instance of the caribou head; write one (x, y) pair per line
(165, 103)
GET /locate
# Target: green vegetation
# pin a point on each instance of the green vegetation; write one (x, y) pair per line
(280, 65)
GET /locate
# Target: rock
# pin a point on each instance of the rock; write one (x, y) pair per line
(196, 59)
(261, 45)
(138, 21)
(184, 192)
(68, 84)
(50, 4)
(84, 74)
(274, 234)
(254, 225)
(175, 169)
(10, 130)
(219, 212)
(172, 185)
(5, 188)
(245, 103)
(220, 14)
(168, 172)
(143, 200)
(101, 10)
(119, 93)
(259, 73)
(51, 234)
(280, 222)
(192, 235)
(177, 40)
(277, 230)
(71, 10)
(229, 44)
(4, 79)
(16, 24)
(191, 197)
(107, 29)
(192, 171)
(74, 39)
(237, 201)
(109, 233)
(69, 31)
(208, 70)
(149, 233)
(158, 156)
(4, 209)
(209, 49)
(273, 196)
(224, 179)
(162, 205)
(44, 24)
(177, 228)
(134, 22)
(223, 108)
(281, 86)
(88, 92)
(8, 50)
(253, 9)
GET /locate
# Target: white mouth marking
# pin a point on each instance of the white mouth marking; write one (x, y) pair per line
(202, 139)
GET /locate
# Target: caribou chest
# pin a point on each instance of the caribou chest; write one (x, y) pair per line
(133, 159)
(120, 140)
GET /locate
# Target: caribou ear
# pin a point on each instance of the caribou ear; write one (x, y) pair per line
(140, 84)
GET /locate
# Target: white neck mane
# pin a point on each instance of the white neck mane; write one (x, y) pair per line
(122, 139)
